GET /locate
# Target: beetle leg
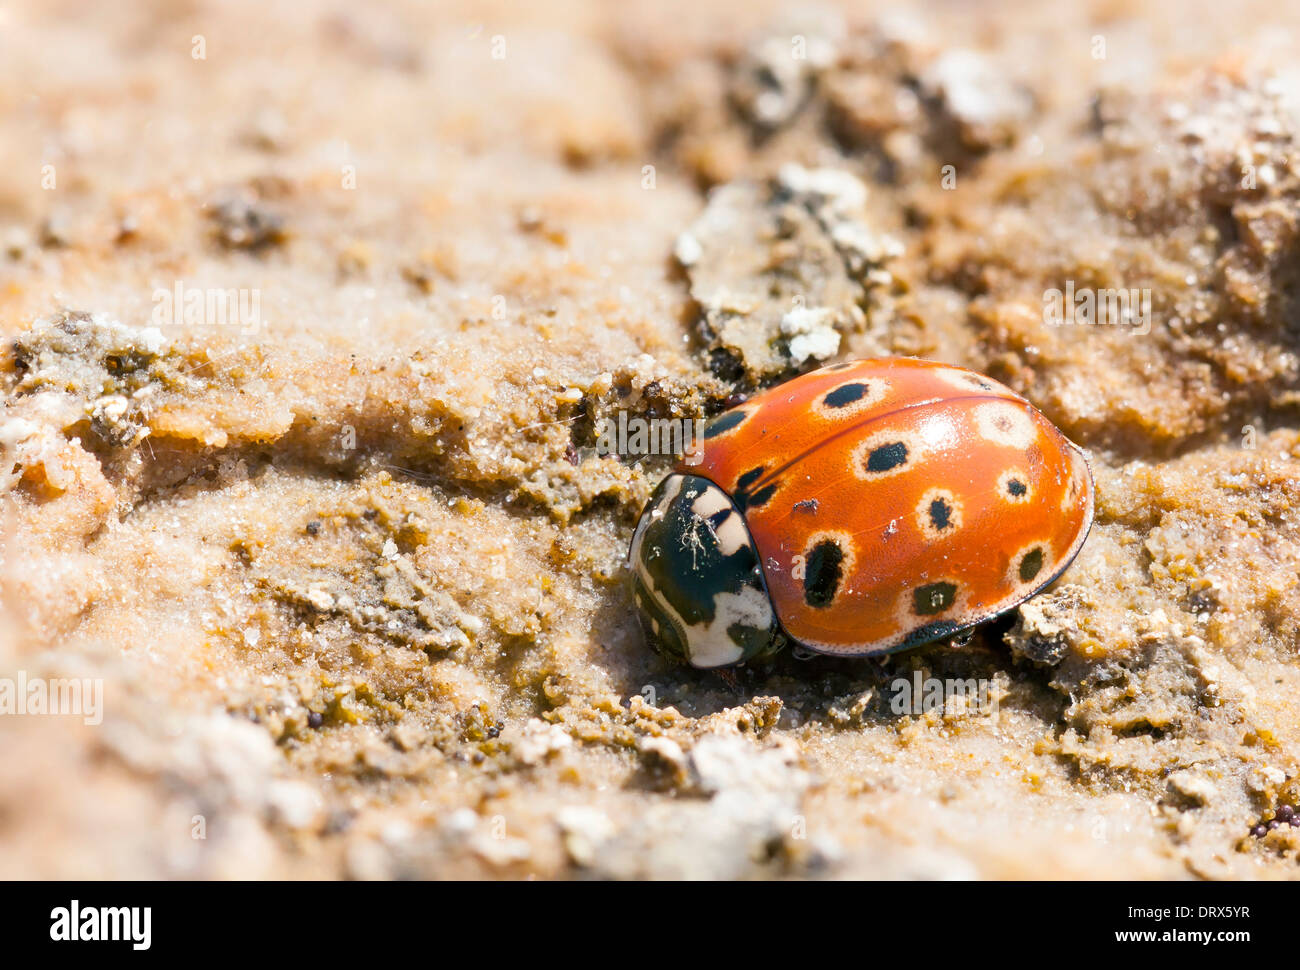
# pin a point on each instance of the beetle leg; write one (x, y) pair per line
(729, 677)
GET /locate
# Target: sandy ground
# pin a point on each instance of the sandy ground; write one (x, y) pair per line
(349, 567)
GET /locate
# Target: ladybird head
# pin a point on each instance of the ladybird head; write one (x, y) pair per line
(697, 580)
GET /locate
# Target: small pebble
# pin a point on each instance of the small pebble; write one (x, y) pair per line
(248, 224)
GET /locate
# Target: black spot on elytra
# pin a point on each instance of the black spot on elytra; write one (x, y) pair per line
(929, 633)
(1031, 564)
(888, 456)
(940, 514)
(844, 395)
(822, 573)
(724, 424)
(1016, 487)
(744, 498)
(934, 598)
(761, 497)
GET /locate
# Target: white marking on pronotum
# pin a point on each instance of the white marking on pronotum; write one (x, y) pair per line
(731, 534)
(707, 645)
(750, 607)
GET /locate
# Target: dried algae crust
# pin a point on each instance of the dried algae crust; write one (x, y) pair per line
(353, 573)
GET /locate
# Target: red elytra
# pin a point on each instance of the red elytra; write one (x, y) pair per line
(888, 502)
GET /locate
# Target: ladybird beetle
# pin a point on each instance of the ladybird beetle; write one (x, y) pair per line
(857, 510)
